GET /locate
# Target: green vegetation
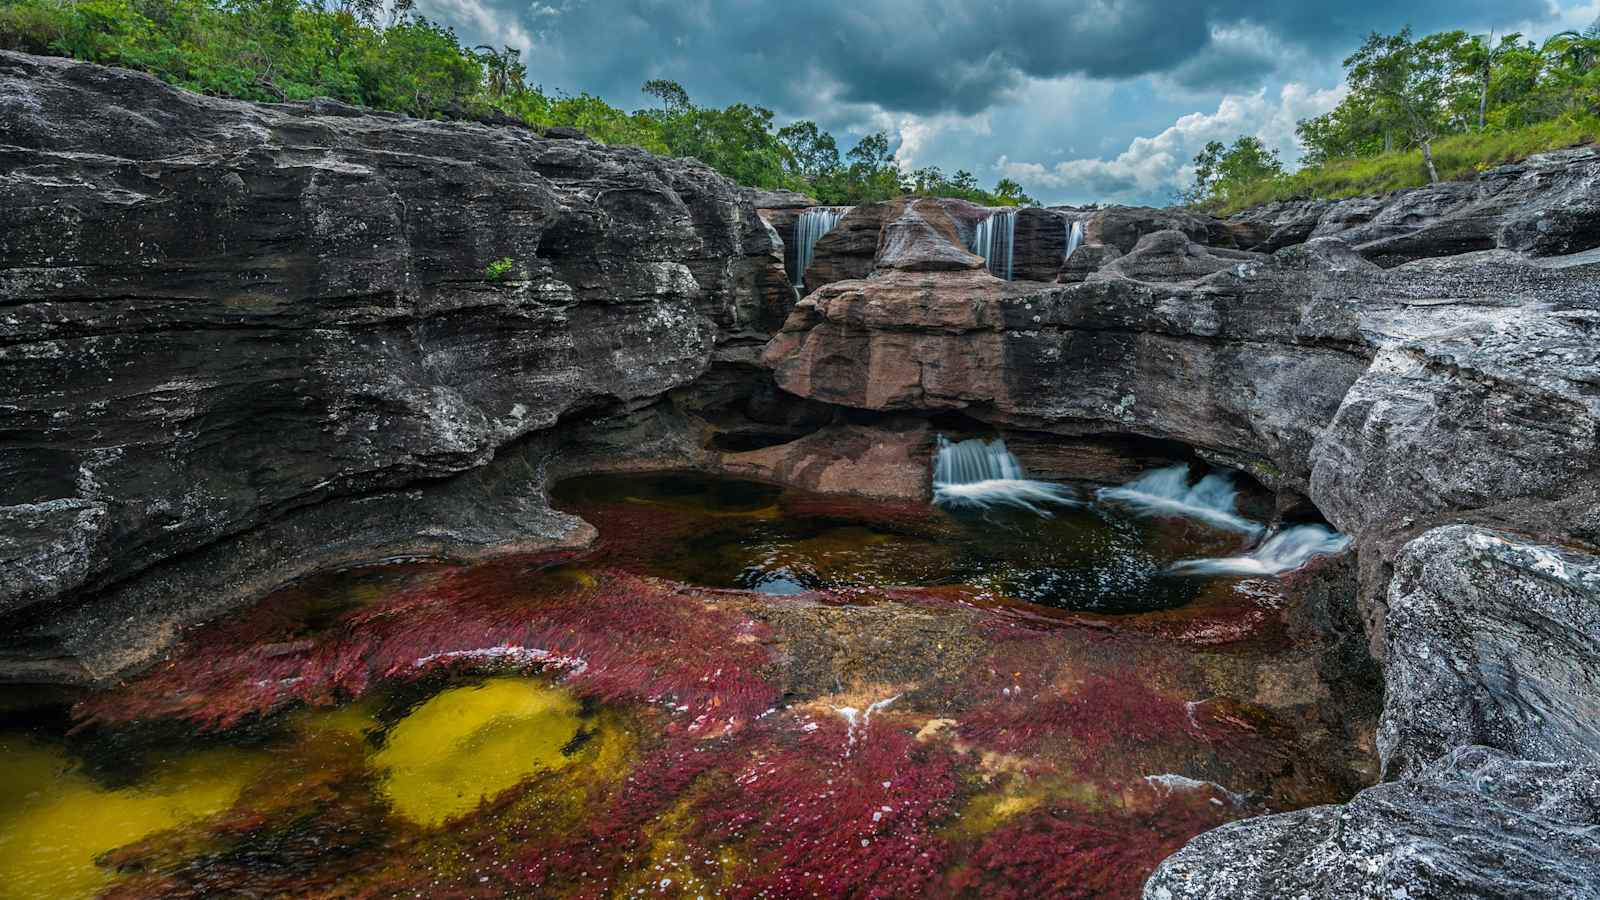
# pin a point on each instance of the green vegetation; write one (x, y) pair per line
(387, 57)
(1441, 107)
(496, 270)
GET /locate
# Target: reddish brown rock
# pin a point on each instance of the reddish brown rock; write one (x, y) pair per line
(848, 251)
(847, 342)
(925, 238)
(889, 461)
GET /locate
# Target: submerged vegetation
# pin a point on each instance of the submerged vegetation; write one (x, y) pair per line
(387, 57)
(485, 730)
(1441, 107)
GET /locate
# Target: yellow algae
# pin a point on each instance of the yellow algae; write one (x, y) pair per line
(669, 865)
(351, 720)
(55, 821)
(473, 742)
(989, 810)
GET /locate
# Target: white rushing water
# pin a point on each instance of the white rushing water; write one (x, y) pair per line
(982, 474)
(808, 229)
(995, 240)
(1074, 238)
(1284, 551)
(1167, 492)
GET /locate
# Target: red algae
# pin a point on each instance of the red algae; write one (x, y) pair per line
(679, 649)
(744, 745)
(1080, 853)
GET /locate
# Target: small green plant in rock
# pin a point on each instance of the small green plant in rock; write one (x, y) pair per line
(497, 270)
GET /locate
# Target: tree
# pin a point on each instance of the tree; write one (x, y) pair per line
(1009, 193)
(1221, 170)
(812, 152)
(674, 99)
(504, 73)
(1575, 53)
(1407, 82)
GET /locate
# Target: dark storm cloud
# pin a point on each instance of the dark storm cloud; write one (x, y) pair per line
(943, 56)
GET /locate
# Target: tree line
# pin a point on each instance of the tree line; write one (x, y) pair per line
(385, 56)
(1406, 95)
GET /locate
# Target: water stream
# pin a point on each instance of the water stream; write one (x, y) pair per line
(740, 690)
(808, 229)
(995, 241)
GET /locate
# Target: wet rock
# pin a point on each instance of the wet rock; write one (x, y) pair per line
(1039, 244)
(1492, 640)
(1476, 823)
(889, 461)
(219, 313)
(780, 209)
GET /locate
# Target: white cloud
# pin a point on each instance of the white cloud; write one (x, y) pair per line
(1156, 166)
(474, 17)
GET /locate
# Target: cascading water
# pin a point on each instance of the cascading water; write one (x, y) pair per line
(982, 474)
(1074, 238)
(808, 229)
(1285, 551)
(1167, 492)
(995, 240)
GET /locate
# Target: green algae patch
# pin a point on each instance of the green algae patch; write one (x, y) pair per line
(55, 821)
(468, 744)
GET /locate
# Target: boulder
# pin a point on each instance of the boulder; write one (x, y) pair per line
(1123, 226)
(1494, 640)
(924, 238)
(1476, 823)
(1169, 256)
(1085, 261)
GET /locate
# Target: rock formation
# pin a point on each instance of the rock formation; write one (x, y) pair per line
(229, 322)
(1408, 365)
(244, 342)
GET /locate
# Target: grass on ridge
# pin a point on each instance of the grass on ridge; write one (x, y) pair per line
(1458, 157)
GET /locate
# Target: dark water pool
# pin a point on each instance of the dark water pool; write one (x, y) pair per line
(742, 534)
(680, 712)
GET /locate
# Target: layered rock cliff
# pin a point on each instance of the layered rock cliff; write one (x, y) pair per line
(255, 338)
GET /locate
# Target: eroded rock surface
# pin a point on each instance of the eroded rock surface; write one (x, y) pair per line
(1421, 368)
(1475, 823)
(218, 313)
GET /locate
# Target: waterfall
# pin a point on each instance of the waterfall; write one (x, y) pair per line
(982, 474)
(1167, 492)
(1283, 552)
(808, 229)
(1074, 238)
(995, 239)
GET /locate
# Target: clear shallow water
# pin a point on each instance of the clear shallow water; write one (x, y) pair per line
(736, 534)
(621, 724)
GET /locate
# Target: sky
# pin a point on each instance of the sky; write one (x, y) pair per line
(1095, 101)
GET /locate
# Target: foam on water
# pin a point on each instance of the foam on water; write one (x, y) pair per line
(1167, 492)
(1285, 551)
(979, 474)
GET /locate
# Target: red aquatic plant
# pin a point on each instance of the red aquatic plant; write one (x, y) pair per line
(612, 635)
(842, 803)
(1071, 852)
(1091, 716)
